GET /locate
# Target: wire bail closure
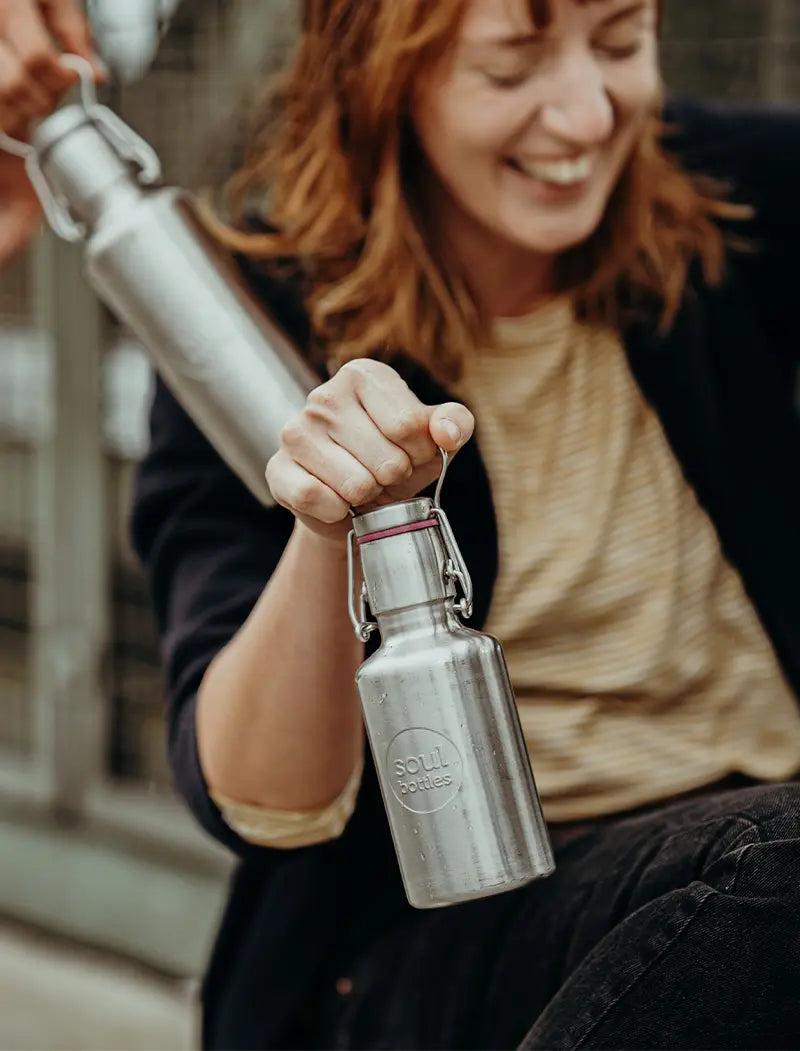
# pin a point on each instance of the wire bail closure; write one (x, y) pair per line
(130, 146)
(455, 569)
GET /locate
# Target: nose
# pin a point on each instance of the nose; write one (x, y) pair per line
(579, 109)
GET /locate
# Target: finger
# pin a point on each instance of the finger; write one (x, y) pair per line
(394, 409)
(70, 28)
(330, 463)
(346, 422)
(386, 462)
(27, 36)
(302, 493)
(14, 124)
(451, 425)
(21, 98)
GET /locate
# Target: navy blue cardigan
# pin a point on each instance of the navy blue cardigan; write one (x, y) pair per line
(723, 384)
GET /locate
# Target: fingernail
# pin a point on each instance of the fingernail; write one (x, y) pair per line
(453, 430)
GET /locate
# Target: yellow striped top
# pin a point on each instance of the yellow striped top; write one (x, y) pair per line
(640, 667)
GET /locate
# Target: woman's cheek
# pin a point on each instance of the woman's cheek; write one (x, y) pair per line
(636, 87)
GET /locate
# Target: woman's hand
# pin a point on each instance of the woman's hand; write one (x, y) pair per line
(33, 35)
(363, 439)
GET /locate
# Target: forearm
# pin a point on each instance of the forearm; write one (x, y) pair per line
(278, 717)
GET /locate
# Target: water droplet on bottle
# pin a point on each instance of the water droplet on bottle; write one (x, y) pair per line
(421, 856)
(416, 831)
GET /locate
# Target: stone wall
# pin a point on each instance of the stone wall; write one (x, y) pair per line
(733, 49)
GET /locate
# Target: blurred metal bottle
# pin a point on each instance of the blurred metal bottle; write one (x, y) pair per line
(441, 716)
(127, 34)
(150, 260)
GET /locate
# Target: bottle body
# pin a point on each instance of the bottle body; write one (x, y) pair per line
(444, 729)
(152, 263)
(229, 365)
(457, 785)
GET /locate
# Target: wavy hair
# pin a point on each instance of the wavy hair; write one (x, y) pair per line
(332, 176)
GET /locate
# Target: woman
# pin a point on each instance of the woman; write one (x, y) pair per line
(470, 207)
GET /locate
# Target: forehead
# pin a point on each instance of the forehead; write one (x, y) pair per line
(486, 17)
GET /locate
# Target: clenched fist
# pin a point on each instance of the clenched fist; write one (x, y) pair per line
(363, 439)
(33, 35)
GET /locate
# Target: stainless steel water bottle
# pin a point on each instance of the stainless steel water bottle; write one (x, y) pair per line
(440, 714)
(149, 259)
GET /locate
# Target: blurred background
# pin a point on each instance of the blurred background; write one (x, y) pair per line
(109, 896)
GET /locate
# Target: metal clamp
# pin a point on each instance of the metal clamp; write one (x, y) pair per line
(364, 628)
(455, 569)
(130, 146)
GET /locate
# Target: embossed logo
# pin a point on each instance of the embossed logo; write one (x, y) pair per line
(424, 769)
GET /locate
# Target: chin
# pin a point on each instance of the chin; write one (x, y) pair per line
(554, 238)
(557, 243)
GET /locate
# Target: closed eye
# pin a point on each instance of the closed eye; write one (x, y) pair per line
(620, 51)
(506, 81)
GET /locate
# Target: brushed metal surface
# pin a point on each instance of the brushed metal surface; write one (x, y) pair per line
(443, 727)
(149, 259)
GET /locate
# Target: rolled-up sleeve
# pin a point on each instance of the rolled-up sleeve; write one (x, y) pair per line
(287, 829)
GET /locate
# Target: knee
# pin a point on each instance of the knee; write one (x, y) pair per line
(759, 856)
(773, 809)
(739, 842)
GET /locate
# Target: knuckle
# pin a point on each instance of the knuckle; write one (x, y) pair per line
(325, 398)
(359, 367)
(293, 433)
(409, 423)
(357, 491)
(392, 471)
(306, 496)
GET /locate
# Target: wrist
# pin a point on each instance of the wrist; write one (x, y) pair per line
(333, 547)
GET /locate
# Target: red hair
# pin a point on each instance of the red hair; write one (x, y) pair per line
(334, 177)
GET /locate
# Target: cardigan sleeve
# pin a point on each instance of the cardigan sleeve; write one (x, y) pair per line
(208, 548)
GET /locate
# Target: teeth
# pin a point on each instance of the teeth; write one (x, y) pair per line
(563, 173)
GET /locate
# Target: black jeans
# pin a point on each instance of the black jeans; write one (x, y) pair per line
(674, 928)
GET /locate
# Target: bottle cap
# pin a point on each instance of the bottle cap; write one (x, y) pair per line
(409, 556)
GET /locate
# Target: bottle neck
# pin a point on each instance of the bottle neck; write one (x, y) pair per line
(403, 563)
(425, 619)
(83, 169)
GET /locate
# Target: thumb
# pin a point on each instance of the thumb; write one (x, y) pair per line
(451, 425)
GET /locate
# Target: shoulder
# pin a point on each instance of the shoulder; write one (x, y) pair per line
(754, 148)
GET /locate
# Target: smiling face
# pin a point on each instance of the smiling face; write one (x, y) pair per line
(527, 130)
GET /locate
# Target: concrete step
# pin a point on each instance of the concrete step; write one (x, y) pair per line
(57, 996)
